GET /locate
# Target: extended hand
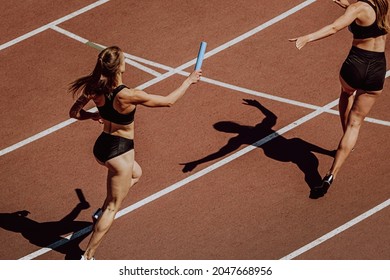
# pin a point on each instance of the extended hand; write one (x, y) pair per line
(300, 42)
(195, 76)
(251, 102)
(342, 3)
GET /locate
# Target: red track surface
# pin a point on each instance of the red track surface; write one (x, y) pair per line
(256, 206)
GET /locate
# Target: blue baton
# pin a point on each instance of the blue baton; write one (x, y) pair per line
(200, 57)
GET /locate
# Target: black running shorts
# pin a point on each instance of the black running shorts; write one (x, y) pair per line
(365, 70)
(108, 146)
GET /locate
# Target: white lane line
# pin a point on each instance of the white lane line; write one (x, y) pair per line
(196, 175)
(101, 47)
(58, 243)
(159, 78)
(40, 135)
(49, 25)
(207, 80)
(252, 92)
(134, 59)
(230, 43)
(281, 99)
(226, 160)
(336, 231)
(189, 179)
(158, 75)
(249, 91)
(36, 137)
(69, 34)
(142, 67)
(259, 28)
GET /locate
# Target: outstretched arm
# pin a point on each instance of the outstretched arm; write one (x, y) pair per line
(139, 97)
(351, 13)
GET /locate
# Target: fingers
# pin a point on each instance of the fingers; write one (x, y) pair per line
(342, 5)
(99, 120)
(338, 3)
(195, 76)
(298, 44)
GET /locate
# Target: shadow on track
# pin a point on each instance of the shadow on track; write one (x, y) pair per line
(50, 234)
(295, 150)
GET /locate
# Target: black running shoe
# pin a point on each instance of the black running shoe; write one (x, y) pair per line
(320, 191)
(327, 181)
(96, 215)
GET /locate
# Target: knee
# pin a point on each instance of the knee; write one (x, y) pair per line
(355, 119)
(114, 205)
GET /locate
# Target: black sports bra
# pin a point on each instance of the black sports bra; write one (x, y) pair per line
(108, 112)
(364, 32)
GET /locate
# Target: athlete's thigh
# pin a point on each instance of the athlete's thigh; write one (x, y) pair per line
(122, 164)
(364, 101)
(120, 174)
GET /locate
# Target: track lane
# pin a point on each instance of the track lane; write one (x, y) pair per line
(214, 180)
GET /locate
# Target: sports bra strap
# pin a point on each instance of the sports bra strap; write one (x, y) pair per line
(369, 3)
(118, 89)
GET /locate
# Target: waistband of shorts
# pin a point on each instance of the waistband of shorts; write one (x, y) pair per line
(111, 136)
(366, 53)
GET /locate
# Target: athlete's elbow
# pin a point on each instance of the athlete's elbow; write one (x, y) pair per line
(170, 102)
(334, 30)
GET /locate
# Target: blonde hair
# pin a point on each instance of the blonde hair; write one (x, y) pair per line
(382, 12)
(103, 77)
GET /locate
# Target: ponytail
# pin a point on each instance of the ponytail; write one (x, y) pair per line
(382, 11)
(103, 77)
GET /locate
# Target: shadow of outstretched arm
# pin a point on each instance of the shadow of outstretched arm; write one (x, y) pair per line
(231, 146)
(270, 118)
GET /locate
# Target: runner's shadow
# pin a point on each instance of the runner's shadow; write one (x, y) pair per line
(51, 234)
(295, 150)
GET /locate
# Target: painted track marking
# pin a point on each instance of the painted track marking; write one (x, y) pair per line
(164, 76)
(171, 72)
(190, 178)
(132, 60)
(337, 231)
(47, 26)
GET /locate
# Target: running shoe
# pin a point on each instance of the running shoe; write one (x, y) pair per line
(96, 215)
(85, 259)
